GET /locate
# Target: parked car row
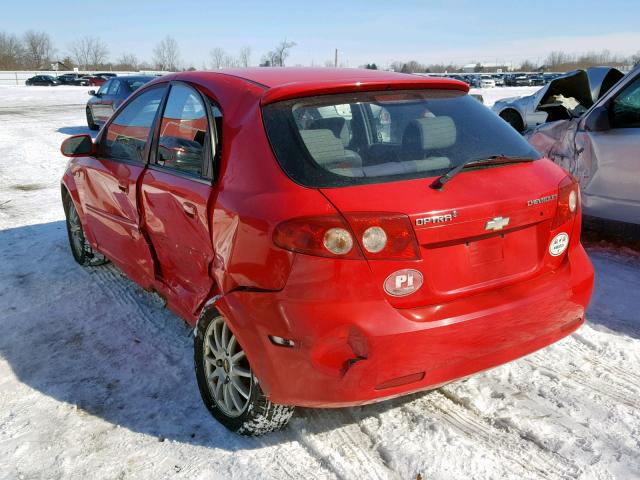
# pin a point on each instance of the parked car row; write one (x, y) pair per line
(94, 80)
(489, 80)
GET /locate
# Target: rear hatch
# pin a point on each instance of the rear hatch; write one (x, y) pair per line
(487, 228)
(377, 153)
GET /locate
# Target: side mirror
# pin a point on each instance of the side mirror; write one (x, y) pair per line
(597, 120)
(78, 146)
(92, 93)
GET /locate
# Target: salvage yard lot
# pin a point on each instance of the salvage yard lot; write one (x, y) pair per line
(96, 378)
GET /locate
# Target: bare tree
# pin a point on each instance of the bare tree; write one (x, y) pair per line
(527, 66)
(79, 51)
(38, 49)
(89, 52)
(282, 51)
(11, 51)
(127, 61)
(166, 55)
(245, 56)
(217, 58)
(98, 52)
(277, 56)
(396, 66)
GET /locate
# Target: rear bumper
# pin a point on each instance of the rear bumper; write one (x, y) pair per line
(352, 347)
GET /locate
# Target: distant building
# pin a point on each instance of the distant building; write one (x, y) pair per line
(57, 66)
(487, 67)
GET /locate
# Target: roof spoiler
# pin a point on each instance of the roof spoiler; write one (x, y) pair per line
(311, 89)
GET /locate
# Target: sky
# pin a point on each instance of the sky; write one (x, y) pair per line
(363, 31)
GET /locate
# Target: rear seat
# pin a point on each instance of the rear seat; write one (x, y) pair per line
(421, 136)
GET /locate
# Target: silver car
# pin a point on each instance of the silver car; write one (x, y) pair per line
(602, 150)
(566, 96)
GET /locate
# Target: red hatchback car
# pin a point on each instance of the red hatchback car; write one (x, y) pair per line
(335, 236)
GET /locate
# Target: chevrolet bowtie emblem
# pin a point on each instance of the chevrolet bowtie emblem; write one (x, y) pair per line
(497, 223)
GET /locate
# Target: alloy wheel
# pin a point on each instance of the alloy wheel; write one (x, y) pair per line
(227, 369)
(75, 228)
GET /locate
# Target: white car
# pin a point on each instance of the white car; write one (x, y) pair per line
(487, 83)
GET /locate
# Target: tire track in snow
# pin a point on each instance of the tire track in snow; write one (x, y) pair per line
(585, 350)
(517, 448)
(619, 393)
(343, 445)
(148, 314)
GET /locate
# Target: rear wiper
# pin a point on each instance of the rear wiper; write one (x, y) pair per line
(439, 182)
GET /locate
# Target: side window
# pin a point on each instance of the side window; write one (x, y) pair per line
(104, 88)
(128, 134)
(625, 108)
(184, 132)
(114, 87)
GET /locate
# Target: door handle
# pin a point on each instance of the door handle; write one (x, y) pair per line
(189, 209)
(123, 186)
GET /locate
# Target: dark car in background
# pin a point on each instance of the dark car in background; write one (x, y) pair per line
(42, 81)
(111, 94)
(537, 80)
(73, 79)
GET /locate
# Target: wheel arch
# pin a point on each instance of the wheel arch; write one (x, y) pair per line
(511, 108)
(248, 338)
(69, 190)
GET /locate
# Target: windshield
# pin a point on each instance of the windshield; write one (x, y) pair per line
(360, 138)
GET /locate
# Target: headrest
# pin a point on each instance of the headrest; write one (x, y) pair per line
(335, 124)
(328, 151)
(323, 145)
(338, 125)
(429, 133)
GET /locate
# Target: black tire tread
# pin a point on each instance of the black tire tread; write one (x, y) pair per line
(89, 257)
(90, 123)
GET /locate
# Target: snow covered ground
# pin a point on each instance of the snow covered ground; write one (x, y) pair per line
(491, 95)
(96, 379)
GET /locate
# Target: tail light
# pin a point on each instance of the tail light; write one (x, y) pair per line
(380, 236)
(322, 236)
(568, 201)
(384, 236)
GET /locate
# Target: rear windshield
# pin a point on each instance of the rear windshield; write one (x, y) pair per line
(376, 137)
(137, 83)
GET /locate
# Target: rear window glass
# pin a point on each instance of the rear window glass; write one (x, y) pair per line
(353, 139)
(135, 84)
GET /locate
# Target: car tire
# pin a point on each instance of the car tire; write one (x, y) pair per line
(92, 125)
(229, 390)
(82, 252)
(513, 118)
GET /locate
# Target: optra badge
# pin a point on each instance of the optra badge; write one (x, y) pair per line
(403, 282)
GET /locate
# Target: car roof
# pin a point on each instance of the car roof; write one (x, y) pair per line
(135, 77)
(282, 83)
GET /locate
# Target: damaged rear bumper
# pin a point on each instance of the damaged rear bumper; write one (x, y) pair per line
(352, 347)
